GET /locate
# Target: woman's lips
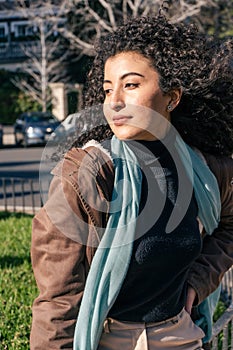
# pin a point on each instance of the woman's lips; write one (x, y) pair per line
(120, 119)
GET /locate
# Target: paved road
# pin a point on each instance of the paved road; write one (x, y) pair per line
(19, 178)
(20, 162)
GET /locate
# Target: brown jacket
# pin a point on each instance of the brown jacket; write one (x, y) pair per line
(67, 230)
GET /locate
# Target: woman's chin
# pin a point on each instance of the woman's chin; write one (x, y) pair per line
(124, 133)
(142, 136)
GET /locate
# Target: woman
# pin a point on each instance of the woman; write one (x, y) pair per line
(132, 237)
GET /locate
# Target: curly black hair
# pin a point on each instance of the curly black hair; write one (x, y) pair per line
(201, 65)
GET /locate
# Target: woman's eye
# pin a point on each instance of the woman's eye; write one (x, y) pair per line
(107, 91)
(131, 85)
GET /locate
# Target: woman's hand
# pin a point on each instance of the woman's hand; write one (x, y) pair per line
(191, 295)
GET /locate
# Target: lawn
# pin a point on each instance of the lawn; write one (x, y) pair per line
(17, 284)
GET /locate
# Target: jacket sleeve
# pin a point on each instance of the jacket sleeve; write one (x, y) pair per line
(59, 267)
(65, 234)
(217, 253)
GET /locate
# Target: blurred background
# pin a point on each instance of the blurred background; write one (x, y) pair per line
(46, 47)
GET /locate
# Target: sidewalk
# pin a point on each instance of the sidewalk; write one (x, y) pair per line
(8, 135)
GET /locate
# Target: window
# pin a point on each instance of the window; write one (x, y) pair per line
(21, 29)
(30, 30)
(2, 32)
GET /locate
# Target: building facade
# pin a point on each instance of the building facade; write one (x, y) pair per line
(18, 36)
(17, 33)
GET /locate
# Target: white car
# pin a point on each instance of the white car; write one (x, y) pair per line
(71, 124)
(69, 130)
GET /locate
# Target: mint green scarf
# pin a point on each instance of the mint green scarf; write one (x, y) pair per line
(112, 258)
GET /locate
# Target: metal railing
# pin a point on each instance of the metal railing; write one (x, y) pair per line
(222, 338)
(20, 194)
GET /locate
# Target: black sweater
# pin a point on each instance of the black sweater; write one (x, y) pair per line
(155, 286)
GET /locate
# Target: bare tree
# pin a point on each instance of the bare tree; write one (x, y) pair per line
(217, 20)
(89, 20)
(46, 53)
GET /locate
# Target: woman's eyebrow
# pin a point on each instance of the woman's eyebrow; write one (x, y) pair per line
(125, 76)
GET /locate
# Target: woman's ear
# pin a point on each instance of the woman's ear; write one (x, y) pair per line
(174, 98)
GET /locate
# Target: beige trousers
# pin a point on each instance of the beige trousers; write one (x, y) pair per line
(179, 332)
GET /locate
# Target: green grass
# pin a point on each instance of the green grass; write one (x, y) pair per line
(220, 309)
(17, 284)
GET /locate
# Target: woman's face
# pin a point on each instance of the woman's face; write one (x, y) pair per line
(134, 106)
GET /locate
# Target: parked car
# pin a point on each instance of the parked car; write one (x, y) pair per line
(34, 128)
(70, 123)
(1, 135)
(74, 124)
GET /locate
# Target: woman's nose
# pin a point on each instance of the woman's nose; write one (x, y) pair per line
(117, 105)
(117, 101)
